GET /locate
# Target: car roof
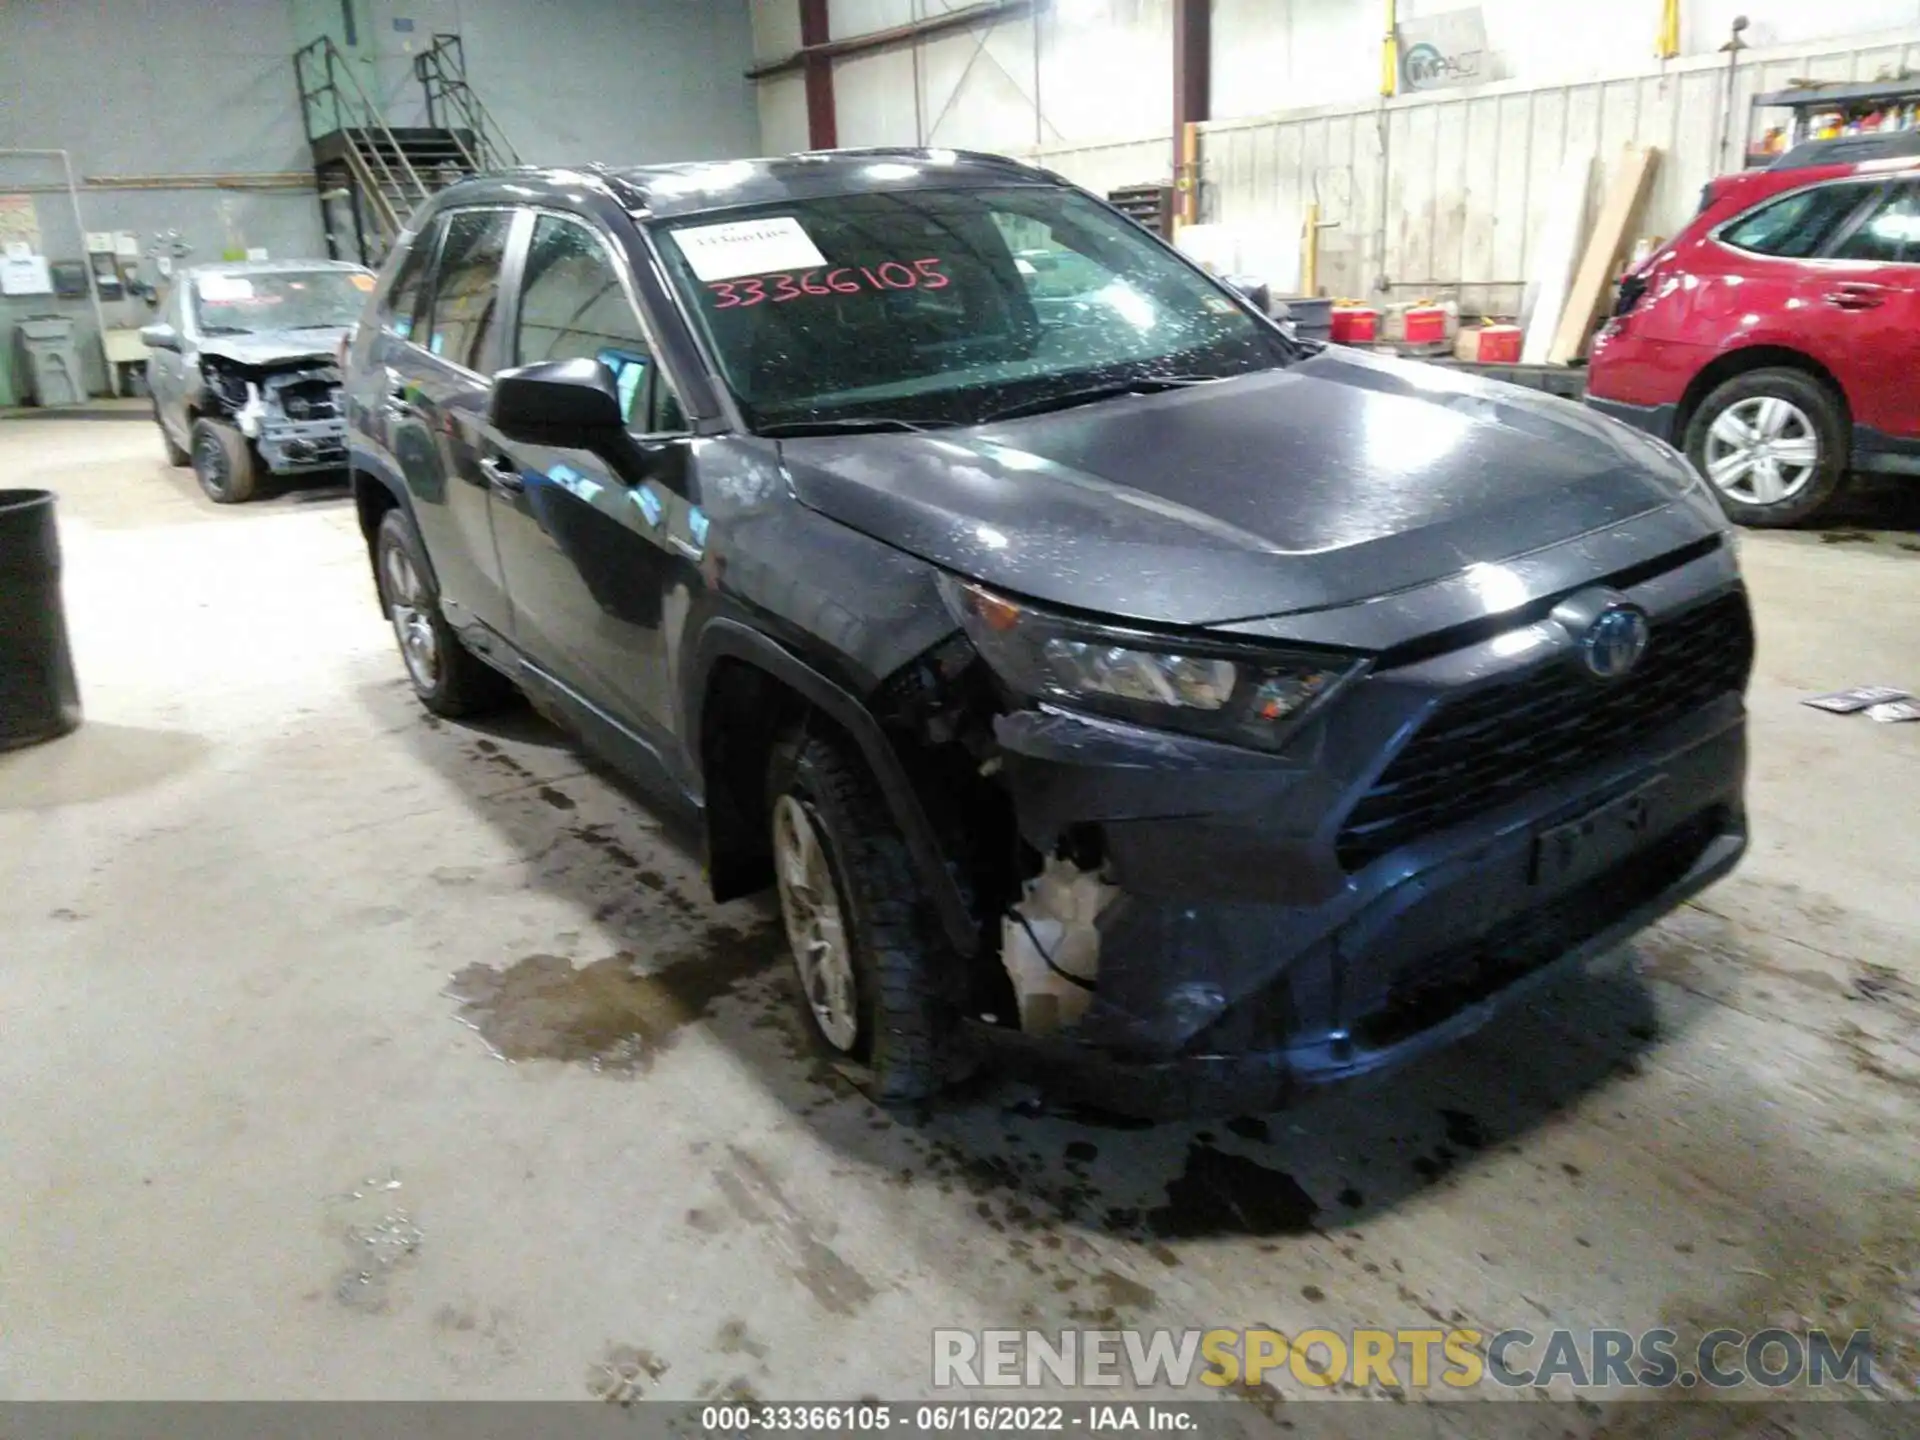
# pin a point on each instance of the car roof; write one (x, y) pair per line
(270, 267)
(690, 188)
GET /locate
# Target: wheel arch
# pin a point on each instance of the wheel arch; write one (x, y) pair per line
(1748, 358)
(743, 692)
(373, 496)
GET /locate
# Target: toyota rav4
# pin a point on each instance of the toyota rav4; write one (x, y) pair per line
(1113, 687)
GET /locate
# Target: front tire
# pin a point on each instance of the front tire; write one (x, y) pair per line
(859, 932)
(449, 679)
(223, 462)
(1773, 445)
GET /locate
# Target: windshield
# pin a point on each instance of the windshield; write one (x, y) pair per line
(948, 306)
(279, 300)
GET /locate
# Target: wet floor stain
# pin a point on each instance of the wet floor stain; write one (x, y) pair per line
(1220, 1193)
(1121, 1293)
(735, 1339)
(474, 1340)
(758, 1198)
(624, 1374)
(381, 1238)
(608, 1016)
(558, 799)
(1846, 537)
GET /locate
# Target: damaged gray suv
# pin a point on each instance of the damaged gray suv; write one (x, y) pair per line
(242, 368)
(1113, 687)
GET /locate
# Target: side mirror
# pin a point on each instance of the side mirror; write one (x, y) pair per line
(573, 404)
(160, 336)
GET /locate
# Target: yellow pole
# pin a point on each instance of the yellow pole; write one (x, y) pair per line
(1390, 52)
(1190, 173)
(1667, 46)
(1310, 252)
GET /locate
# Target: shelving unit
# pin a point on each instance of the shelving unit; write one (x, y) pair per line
(1833, 112)
(1151, 205)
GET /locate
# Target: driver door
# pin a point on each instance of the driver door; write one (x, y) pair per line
(593, 554)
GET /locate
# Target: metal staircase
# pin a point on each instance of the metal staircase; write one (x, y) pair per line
(442, 73)
(373, 175)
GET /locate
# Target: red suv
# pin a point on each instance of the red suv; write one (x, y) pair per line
(1777, 339)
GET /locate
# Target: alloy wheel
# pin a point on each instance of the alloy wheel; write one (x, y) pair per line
(816, 928)
(407, 605)
(210, 463)
(1762, 451)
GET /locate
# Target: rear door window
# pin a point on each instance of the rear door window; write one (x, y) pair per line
(1889, 234)
(466, 294)
(1799, 225)
(400, 312)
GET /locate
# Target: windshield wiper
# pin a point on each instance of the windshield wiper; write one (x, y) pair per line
(1068, 399)
(852, 425)
(225, 330)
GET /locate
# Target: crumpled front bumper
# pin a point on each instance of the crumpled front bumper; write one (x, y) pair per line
(1243, 959)
(288, 446)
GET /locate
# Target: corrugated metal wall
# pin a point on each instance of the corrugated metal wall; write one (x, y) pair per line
(1101, 168)
(1466, 179)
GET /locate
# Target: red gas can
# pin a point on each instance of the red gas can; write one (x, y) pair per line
(1355, 324)
(1426, 325)
(1500, 345)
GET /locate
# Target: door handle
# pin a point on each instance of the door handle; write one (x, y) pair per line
(1855, 296)
(502, 475)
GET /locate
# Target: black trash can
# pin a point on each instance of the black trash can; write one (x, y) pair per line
(39, 697)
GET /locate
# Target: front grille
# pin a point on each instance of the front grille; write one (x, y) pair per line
(1485, 748)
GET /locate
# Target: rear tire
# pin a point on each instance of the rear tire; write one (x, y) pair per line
(1773, 445)
(176, 457)
(862, 894)
(450, 680)
(223, 462)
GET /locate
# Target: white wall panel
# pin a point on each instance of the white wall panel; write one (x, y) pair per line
(1274, 54)
(1469, 172)
(783, 115)
(1101, 168)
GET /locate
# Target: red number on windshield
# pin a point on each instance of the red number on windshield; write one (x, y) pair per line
(786, 289)
(931, 279)
(724, 289)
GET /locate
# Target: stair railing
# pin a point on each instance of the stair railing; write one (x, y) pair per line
(319, 69)
(441, 70)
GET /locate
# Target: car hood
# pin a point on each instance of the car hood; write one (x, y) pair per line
(1339, 479)
(276, 347)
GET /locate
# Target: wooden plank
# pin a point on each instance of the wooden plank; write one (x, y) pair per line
(1550, 260)
(1612, 232)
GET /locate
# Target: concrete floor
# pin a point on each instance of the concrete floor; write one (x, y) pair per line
(251, 1150)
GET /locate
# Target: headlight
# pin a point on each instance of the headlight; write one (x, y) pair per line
(1235, 693)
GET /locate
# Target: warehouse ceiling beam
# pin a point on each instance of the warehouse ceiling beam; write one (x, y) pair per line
(889, 39)
(1192, 97)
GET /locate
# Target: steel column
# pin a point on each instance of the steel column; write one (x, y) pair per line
(822, 130)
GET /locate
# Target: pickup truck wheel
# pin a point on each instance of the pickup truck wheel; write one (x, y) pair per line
(449, 679)
(1772, 444)
(176, 457)
(850, 901)
(223, 462)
